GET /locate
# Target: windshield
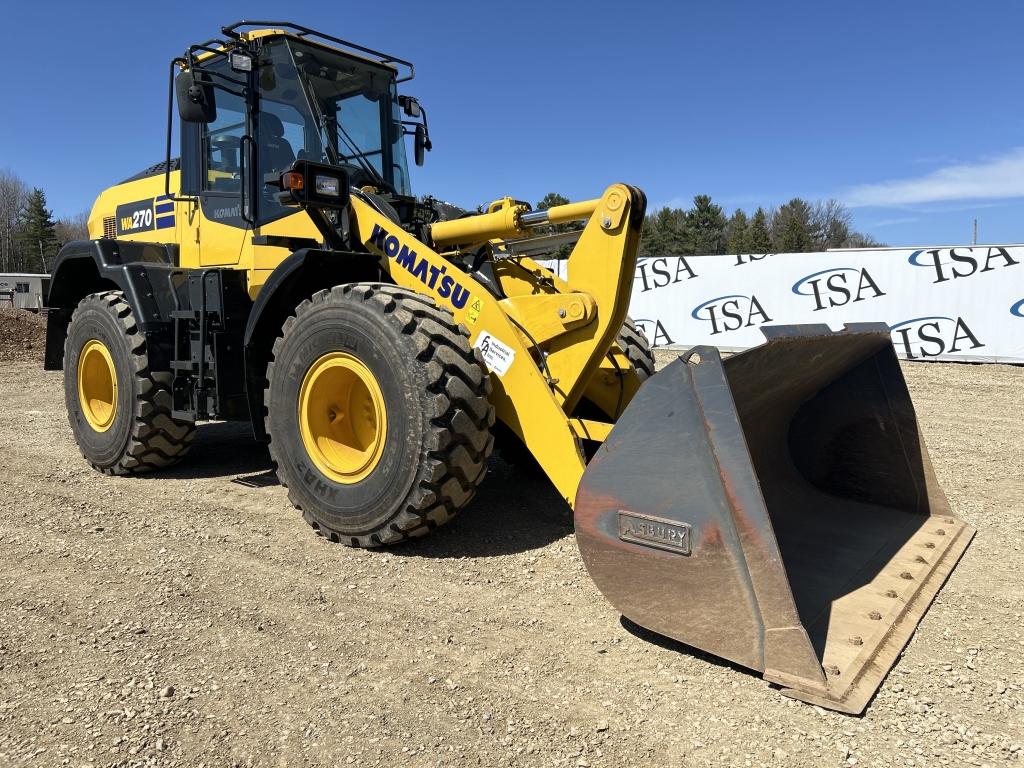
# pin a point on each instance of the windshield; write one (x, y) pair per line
(322, 106)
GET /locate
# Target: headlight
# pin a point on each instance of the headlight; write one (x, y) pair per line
(328, 185)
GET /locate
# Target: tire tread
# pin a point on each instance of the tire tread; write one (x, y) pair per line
(156, 440)
(456, 398)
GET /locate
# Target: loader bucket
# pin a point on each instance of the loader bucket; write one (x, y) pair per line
(778, 509)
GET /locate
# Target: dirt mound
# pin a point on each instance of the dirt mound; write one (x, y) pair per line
(22, 334)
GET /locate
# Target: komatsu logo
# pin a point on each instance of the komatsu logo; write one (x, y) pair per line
(1018, 309)
(435, 278)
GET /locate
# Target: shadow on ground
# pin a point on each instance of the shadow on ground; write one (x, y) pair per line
(225, 449)
(514, 510)
(674, 645)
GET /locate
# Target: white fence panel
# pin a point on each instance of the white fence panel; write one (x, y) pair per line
(950, 303)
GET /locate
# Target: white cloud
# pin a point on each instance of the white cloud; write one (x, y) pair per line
(998, 177)
(892, 222)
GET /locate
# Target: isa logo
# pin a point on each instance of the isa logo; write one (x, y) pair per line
(924, 337)
(837, 287)
(730, 313)
(749, 258)
(954, 263)
(1018, 309)
(654, 331)
(658, 272)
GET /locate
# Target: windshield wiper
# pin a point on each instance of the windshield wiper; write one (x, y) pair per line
(357, 154)
(332, 150)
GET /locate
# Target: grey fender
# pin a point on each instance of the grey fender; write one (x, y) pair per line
(145, 272)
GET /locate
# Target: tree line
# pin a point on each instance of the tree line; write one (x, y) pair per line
(703, 230)
(29, 235)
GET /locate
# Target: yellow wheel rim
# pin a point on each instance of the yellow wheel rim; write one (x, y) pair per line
(97, 385)
(342, 417)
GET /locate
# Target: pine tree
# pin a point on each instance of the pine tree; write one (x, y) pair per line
(36, 233)
(650, 238)
(759, 237)
(737, 233)
(792, 226)
(665, 233)
(706, 225)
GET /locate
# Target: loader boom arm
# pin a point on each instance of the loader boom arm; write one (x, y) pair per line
(537, 384)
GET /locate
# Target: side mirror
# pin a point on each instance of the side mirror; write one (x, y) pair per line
(196, 102)
(421, 144)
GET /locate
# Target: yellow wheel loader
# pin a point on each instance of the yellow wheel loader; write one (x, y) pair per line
(776, 508)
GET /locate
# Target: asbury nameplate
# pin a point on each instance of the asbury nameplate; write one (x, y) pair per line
(655, 532)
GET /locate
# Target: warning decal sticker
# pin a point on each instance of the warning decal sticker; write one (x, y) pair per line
(498, 356)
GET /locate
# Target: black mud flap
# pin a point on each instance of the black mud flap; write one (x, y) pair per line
(778, 509)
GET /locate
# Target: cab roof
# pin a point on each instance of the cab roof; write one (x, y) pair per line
(246, 31)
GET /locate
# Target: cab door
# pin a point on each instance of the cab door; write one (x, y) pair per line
(223, 233)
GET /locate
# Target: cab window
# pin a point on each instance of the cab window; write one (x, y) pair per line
(222, 145)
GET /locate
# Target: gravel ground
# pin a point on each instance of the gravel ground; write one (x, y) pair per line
(192, 619)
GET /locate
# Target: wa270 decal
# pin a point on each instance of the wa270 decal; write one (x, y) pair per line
(145, 215)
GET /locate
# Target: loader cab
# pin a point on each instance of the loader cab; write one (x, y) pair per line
(278, 98)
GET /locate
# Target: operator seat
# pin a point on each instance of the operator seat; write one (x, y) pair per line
(275, 153)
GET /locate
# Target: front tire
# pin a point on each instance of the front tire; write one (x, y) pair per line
(378, 414)
(119, 408)
(637, 348)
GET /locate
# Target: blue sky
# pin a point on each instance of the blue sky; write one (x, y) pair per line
(911, 112)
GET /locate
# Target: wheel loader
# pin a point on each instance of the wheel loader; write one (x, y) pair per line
(776, 508)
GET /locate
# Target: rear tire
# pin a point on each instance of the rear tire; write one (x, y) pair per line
(137, 433)
(428, 397)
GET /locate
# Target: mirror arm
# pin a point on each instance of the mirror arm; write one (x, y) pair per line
(427, 146)
(170, 121)
(177, 62)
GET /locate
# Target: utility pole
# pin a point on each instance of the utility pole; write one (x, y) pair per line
(42, 258)
(974, 239)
